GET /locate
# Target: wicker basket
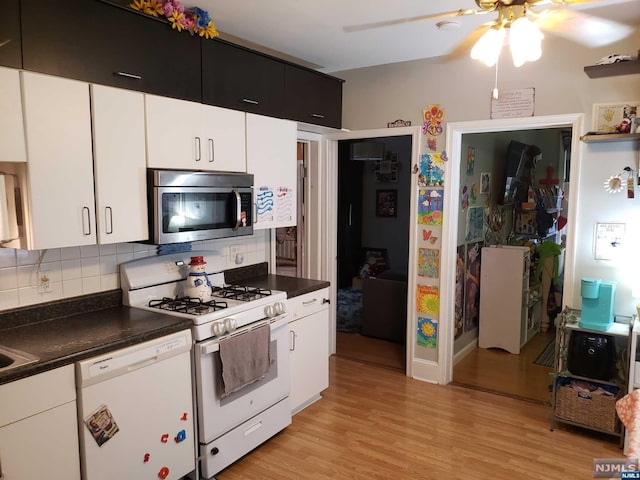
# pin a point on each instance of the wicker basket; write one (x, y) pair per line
(598, 411)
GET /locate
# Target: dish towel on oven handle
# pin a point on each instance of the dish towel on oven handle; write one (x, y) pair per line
(245, 358)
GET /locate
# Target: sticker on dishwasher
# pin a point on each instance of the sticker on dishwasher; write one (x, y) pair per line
(101, 425)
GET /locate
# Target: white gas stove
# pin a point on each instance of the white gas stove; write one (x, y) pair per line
(158, 283)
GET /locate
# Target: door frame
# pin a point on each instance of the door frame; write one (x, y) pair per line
(455, 131)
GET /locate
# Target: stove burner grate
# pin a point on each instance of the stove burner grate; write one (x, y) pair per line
(190, 305)
(239, 292)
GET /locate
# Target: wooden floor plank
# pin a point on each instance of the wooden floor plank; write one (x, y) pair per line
(376, 423)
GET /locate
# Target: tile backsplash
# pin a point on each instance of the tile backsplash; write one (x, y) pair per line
(31, 277)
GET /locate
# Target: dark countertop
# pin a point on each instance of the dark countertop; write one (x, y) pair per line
(258, 276)
(66, 340)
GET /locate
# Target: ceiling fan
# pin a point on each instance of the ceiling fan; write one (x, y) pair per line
(524, 22)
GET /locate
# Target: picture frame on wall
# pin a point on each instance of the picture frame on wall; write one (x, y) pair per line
(387, 203)
(485, 182)
(620, 117)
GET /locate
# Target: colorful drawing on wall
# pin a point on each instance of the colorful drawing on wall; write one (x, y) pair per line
(265, 203)
(427, 332)
(428, 299)
(475, 219)
(429, 262)
(459, 305)
(485, 182)
(464, 197)
(432, 118)
(472, 286)
(474, 193)
(431, 170)
(471, 160)
(432, 144)
(429, 206)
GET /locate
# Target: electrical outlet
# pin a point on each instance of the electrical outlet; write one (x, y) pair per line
(44, 282)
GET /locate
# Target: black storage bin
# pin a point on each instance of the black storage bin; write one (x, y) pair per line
(592, 355)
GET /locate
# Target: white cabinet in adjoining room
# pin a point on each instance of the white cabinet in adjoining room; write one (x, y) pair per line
(185, 135)
(120, 167)
(308, 347)
(12, 141)
(57, 119)
(271, 158)
(39, 427)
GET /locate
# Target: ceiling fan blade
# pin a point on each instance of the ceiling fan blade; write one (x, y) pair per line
(388, 23)
(580, 27)
(464, 47)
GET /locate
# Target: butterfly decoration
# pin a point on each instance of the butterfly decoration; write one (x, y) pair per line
(444, 157)
(432, 144)
(415, 168)
(426, 236)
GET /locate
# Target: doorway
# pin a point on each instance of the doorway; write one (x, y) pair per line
(374, 204)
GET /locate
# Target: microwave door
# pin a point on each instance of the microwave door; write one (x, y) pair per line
(236, 203)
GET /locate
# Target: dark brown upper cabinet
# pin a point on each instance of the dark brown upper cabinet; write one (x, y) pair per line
(242, 79)
(313, 97)
(101, 42)
(10, 49)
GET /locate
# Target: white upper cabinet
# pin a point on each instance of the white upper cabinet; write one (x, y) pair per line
(57, 119)
(12, 142)
(271, 158)
(119, 164)
(185, 135)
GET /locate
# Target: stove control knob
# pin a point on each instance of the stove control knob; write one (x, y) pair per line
(218, 328)
(280, 307)
(269, 311)
(230, 324)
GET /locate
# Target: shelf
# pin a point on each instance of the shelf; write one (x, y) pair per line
(619, 329)
(567, 374)
(621, 68)
(578, 424)
(609, 137)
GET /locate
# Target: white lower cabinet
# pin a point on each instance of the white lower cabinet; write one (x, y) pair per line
(38, 427)
(308, 347)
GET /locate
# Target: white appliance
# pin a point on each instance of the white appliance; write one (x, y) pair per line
(135, 408)
(228, 426)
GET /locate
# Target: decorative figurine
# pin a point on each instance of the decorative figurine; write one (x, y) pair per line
(198, 285)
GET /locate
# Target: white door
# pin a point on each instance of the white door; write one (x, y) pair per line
(12, 142)
(173, 133)
(57, 119)
(223, 140)
(119, 165)
(271, 158)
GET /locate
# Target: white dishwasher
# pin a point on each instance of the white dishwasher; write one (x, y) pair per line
(135, 411)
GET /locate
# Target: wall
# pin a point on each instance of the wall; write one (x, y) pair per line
(82, 270)
(376, 95)
(389, 232)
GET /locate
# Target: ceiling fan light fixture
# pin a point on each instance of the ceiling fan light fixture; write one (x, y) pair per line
(525, 41)
(487, 48)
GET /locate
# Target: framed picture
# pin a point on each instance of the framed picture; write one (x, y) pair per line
(620, 117)
(386, 203)
(485, 182)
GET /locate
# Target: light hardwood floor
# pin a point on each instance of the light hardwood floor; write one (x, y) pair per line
(498, 371)
(375, 423)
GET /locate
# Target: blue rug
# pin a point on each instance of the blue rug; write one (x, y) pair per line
(349, 310)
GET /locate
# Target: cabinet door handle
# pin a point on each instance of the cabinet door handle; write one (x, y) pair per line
(128, 75)
(252, 102)
(108, 219)
(325, 300)
(309, 302)
(317, 115)
(211, 151)
(198, 154)
(292, 340)
(86, 226)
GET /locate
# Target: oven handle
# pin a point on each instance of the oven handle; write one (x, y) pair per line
(208, 348)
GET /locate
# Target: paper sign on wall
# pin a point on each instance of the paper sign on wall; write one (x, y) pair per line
(264, 203)
(513, 103)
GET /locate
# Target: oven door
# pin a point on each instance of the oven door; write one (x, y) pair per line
(185, 214)
(217, 415)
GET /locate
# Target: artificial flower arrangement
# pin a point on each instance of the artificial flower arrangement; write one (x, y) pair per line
(194, 20)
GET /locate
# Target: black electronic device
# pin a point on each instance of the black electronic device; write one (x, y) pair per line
(592, 355)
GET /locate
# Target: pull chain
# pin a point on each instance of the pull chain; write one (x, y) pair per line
(495, 88)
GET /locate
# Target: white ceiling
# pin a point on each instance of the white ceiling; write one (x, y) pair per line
(311, 31)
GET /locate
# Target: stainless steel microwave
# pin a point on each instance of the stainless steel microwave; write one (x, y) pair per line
(186, 206)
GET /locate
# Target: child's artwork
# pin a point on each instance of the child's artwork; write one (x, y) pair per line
(427, 332)
(264, 203)
(474, 193)
(432, 118)
(471, 160)
(459, 306)
(475, 219)
(472, 287)
(429, 262)
(464, 197)
(431, 170)
(428, 299)
(429, 206)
